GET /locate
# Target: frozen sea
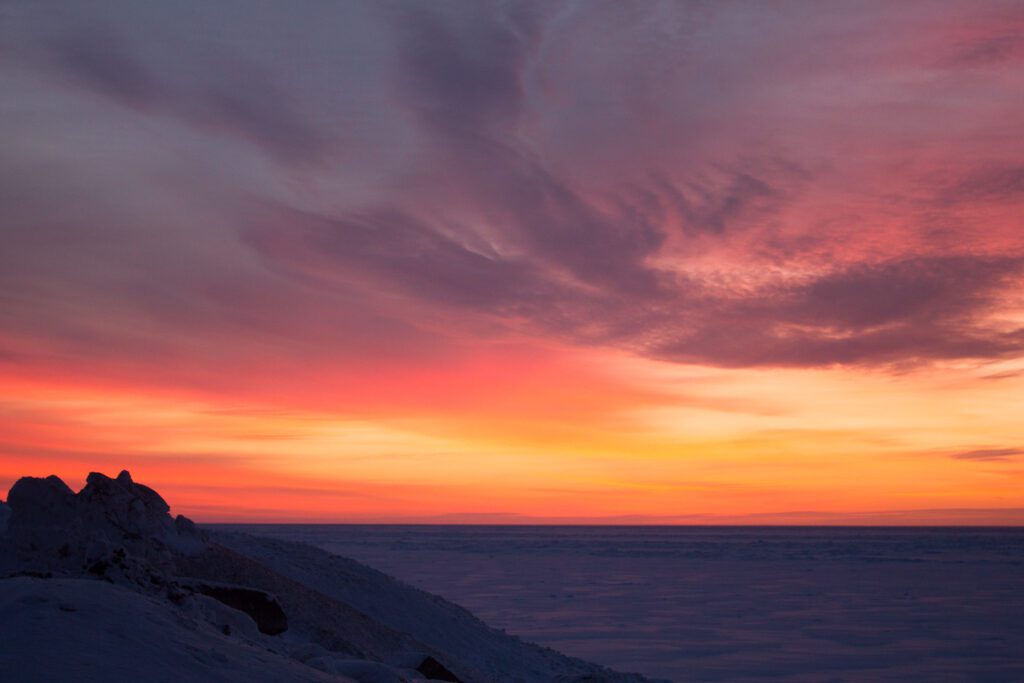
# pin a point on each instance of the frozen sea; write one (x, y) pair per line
(726, 603)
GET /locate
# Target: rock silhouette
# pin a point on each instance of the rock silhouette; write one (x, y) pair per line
(113, 528)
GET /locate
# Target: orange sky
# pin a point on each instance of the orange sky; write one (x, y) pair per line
(677, 263)
(564, 436)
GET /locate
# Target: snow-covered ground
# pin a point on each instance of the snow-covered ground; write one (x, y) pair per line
(727, 604)
(89, 630)
(105, 585)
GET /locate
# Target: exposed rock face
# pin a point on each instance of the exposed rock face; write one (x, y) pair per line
(263, 607)
(43, 511)
(124, 510)
(227, 620)
(435, 671)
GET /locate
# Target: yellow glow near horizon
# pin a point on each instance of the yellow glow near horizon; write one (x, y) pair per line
(702, 441)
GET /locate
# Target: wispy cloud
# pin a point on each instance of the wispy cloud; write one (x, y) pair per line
(230, 96)
(481, 194)
(990, 454)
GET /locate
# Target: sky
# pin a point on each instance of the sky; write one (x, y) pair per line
(517, 262)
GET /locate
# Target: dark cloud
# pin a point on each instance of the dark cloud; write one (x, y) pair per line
(989, 454)
(101, 62)
(462, 82)
(461, 73)
(1002, 183)
(986, 51)
(717, 205)
(914, 310)
(1009, 374)
(919, 290)
(751, 344)
(231, 95)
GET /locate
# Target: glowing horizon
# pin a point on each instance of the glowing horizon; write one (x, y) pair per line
(515, 263)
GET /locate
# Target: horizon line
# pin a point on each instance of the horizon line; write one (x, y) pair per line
(724, 525)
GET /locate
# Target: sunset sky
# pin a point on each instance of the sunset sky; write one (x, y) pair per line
(651, 262)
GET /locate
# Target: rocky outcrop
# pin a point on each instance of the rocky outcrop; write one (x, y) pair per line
(5, 515)
(43, 513)
(120, 531)
(113, 528)
(123, 509)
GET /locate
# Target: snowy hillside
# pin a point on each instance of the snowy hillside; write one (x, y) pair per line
(106, 585)
(89, 630)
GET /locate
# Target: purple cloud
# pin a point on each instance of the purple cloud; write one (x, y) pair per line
(232, 96)
(404, 179)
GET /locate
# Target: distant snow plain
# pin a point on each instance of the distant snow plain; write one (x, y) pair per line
(726, 603)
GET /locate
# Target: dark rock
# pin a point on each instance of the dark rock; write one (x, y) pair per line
(113, 528)
(99, 568)
(137, 512)
(184, 525)
(43, 514)
(49, 500)
(263, 607)
(436, 671)
(5, 514)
